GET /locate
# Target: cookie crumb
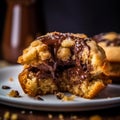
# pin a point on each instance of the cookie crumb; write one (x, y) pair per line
(14, 93)
(10, 79)
(64, 97)
(60, 95)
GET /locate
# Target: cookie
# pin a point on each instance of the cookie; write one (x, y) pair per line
(110, 42)
(64, 62)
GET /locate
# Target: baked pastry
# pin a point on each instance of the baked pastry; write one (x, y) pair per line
(110, 42)
(63, 62)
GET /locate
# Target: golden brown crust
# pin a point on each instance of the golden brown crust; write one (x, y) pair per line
(74, 63)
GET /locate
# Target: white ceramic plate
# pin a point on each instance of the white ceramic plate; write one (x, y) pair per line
(109, 97)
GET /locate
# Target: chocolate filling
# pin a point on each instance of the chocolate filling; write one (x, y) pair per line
(54, 67)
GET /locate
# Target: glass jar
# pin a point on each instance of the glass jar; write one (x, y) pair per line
(20, 28)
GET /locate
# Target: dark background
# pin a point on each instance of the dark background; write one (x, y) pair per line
(81, 16)
(84, 16)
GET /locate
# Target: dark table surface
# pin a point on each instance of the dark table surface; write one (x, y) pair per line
(13, 113)
(10, 113)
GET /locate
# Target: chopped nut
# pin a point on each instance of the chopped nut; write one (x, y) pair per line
(67, 43)
(37, 50)
(30, 55)
(64, 54)
(44, 55)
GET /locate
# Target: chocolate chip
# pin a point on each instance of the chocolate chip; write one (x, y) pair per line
(6, 87)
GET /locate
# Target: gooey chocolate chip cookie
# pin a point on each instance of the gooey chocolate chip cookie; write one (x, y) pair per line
(63, 62)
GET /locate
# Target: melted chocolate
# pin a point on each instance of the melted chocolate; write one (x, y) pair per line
(81, 71)
(77, 75)
(55, 66)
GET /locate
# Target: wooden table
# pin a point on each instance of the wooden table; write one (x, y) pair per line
(23, 114)
(12, 113)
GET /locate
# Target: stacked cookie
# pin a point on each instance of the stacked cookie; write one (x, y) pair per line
(110, 42)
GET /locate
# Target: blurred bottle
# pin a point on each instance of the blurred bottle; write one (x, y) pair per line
(20, 28)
